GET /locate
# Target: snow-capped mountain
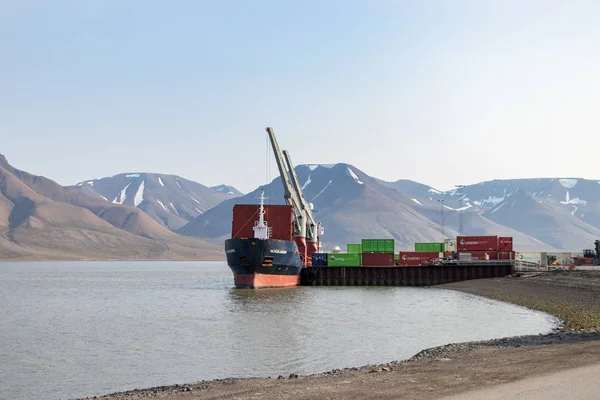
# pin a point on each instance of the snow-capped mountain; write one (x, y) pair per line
(563, 212)
(352, 205)
(169, 199)
(227, 190)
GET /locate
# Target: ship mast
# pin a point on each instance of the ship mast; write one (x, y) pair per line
(261, 229)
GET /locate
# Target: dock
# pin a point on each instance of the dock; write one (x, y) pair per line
(427, 275)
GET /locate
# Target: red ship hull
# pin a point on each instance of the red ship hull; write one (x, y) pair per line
(258, 281)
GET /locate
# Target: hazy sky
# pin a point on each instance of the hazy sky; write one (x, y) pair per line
(441, 92)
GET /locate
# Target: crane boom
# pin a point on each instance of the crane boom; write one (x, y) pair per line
(290, 194)
(294, 178)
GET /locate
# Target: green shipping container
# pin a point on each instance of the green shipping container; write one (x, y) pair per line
(344, 260)
(378, 245)
(354, 248)
(430, 247)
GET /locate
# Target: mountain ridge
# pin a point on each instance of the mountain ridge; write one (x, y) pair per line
(353, 205)
(39, 219)
(541, 213)
(170, 200)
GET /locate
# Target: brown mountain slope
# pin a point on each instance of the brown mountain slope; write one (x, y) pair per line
(120, 216)
(40, 219)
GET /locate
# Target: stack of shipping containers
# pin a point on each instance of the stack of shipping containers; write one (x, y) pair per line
(486, 247)
(425, 253)
(378, 252)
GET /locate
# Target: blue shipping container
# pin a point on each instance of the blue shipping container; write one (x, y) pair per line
(319, 259)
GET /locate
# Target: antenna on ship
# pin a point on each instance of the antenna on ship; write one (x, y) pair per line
(261, 229)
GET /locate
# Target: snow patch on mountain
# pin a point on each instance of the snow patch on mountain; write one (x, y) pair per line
(307, 183)
(417, 201)
(434, 191)
(194, 199)
(322, 191)
(568, 183)
(162, 205)
(493, 200)
(160, 181)
(354, 176)
(132, 176)
(174, 209)
(91, 183)
(139, 195)
(575, 200)
(312, 167)
(459, 209)
(122, 195)
(497, 208)
(196, 208)
(177, 182)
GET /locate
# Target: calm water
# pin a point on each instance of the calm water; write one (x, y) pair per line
(89, 328)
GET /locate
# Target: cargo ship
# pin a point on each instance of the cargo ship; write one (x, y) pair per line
(271, 244)
(260, 261)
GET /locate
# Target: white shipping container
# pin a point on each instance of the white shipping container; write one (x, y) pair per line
(529, 257)
(450, 244)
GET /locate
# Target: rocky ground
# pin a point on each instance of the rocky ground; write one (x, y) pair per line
(435, 373)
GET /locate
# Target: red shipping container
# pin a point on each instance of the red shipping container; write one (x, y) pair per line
(417, 258)
(507, 255)
(505, 244)
(480, 255)
(279, 217)
(477, 243)
(378, 259)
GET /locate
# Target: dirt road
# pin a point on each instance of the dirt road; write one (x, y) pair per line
(578, 383)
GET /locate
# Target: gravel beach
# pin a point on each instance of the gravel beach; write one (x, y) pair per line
(450, 370)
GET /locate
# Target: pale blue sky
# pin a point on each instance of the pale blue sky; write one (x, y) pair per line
(441, 92)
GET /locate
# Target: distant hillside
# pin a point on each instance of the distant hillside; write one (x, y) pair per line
(228, 191)
(352, 205)
(563, 212)
(170, 200)
(127, 215)
(39, 219)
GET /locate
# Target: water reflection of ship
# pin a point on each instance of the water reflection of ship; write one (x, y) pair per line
(240, 298)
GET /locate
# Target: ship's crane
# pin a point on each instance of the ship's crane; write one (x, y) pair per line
(306, 229)
(312, 228)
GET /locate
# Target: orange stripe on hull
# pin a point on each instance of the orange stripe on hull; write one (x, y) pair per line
(257, 281)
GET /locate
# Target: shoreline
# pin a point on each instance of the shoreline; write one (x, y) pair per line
(106, 259)
(573, 297)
